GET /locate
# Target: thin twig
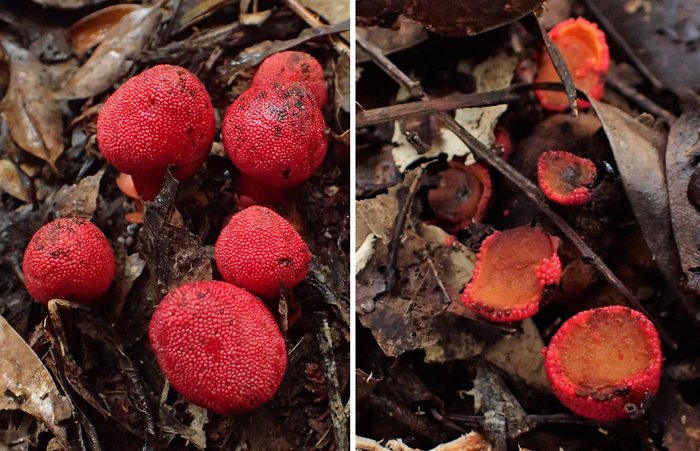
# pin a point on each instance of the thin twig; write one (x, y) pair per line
(477, 421)
(525, 185)
(507, 95)
(622, 43)
(340, 420)
(640, 100)
(560, 66)
(398, 230)
(340, 46)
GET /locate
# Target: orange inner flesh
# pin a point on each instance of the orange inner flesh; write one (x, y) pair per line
(457, 197)
(507, 278)
(579, 45)
(564, 175)
(604, 351)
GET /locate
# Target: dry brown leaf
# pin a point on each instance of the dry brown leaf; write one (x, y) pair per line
(679, 168)
(520, 355)
(11, 183)
(638, 152)
(174, 255)
(407, 35)
(32, 116)
(110, 60)
(79, 201)
(27, 385)
(342, 83)
(92, 29)
(67, 4)
(129, 269)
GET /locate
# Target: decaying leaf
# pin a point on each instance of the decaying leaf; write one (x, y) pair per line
(110, 60)
(679, 168)
(92, 29)
(129, 270)
(407, 35)
(504, 416)
(79, 201)
(679, 421)
(431, 274)
(364, 253)
(27, 385)
(521, 355)
(67, 4)
(638, 152)
(33, 117)
(342, 83)
(453, 18)
(174, 255)
(11, 182)
(468, 442)
(494, 73)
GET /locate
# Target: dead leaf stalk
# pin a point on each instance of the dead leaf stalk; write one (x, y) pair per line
(340, 420)
(397, 232)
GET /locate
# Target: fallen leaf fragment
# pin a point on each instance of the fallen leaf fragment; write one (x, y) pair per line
(494, 73)
(110, 60)
(638, 152)
(26, 384)
(92, 29)
(679, 168)
(11, 182)
(32, 116)
(174, 255)
(79, 201)
(468, 442)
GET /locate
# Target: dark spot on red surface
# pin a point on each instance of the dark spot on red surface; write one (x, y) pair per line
(305, 68)
(286, 173)
(285, 262)
(278, 131)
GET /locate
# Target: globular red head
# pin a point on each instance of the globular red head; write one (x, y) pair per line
(70, 259)
(275, 133)
(292, 67)
(602, 359)
(585, 50)
(160, 118)
(512, 271)
(565, 178)
(261, 252)
(462, 195)
(219, 346)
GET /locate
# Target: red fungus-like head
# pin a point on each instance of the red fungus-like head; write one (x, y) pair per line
(219, 346)
(586, 53)
(158, 119)
(275, 133)
(260, 251)
(462, 195)
(602, 359)
(512, 270)
(70, 259)
(292, 67)
(565, 178)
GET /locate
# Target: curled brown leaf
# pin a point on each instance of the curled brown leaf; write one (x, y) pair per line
(33, 117)
(110, 60)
